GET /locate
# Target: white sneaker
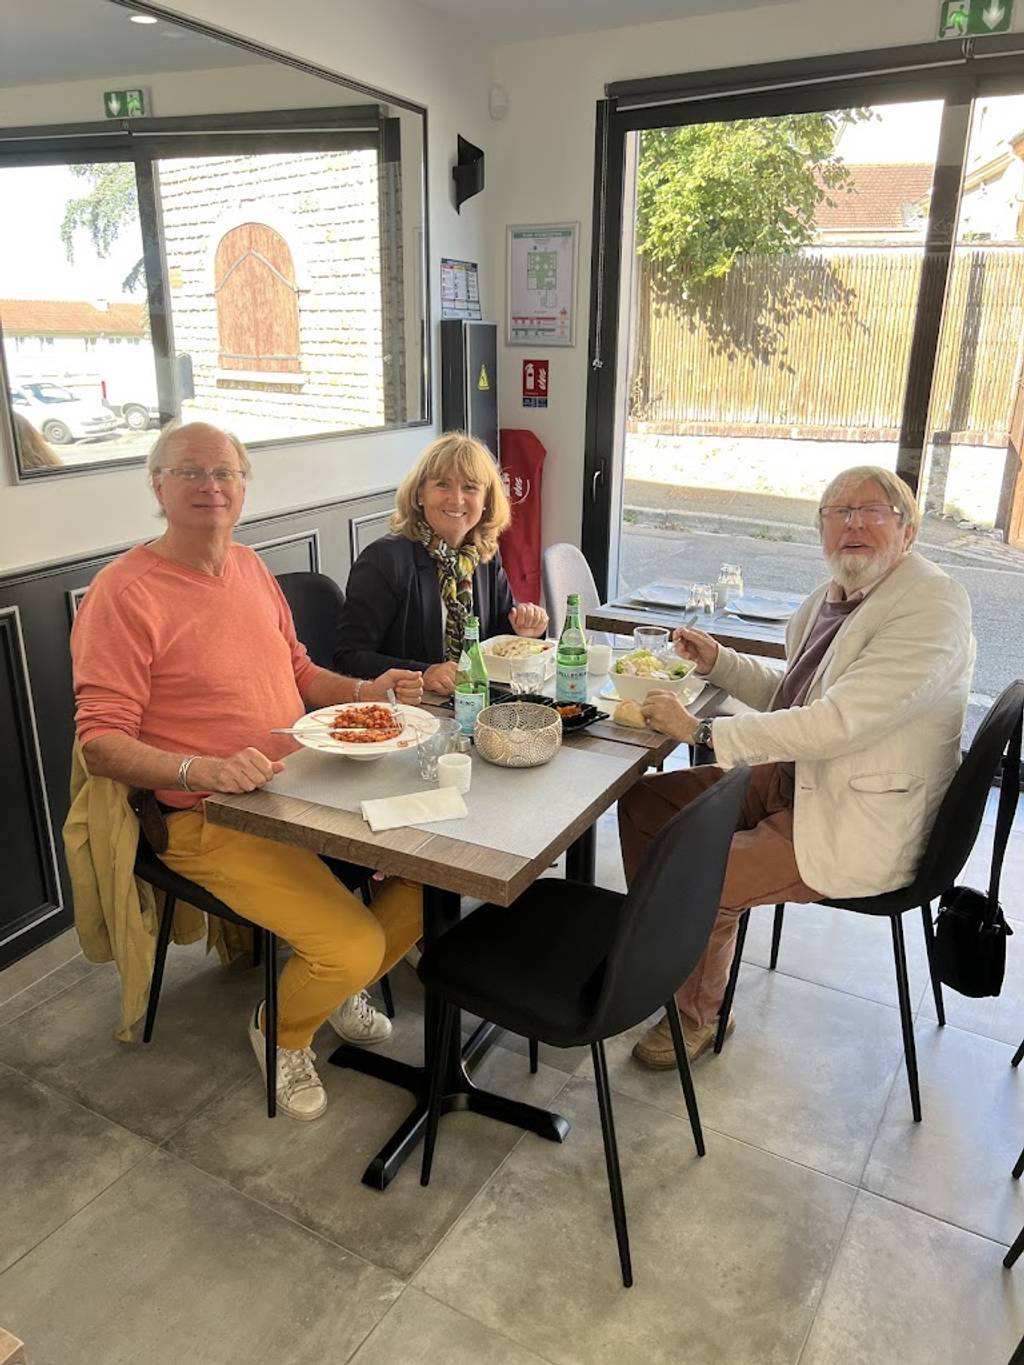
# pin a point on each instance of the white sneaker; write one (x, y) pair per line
(300, 1094)
(356, 1021)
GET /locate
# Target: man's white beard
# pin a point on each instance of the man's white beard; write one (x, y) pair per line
(853, 572)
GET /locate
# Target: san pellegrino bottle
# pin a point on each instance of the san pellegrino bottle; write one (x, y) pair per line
(472, 688)
(571, 656)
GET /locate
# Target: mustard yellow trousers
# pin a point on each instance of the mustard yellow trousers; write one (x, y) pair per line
(339, 945)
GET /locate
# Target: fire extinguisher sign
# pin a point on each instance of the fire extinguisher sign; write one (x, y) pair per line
(535, 383)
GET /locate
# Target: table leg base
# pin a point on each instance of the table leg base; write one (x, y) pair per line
(461, 1097)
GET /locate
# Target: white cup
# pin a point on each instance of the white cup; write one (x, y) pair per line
(455, 770)
(599, 659)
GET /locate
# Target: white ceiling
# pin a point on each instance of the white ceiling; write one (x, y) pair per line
(69, 40)
(505, 22)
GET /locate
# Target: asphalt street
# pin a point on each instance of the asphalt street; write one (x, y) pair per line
(695, 556)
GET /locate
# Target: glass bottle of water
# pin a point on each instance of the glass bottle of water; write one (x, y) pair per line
(472, 686)
(571, 656)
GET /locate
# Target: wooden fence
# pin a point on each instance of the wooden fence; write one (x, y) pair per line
(818, 343)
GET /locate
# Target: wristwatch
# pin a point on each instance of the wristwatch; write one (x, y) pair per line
(702, 735)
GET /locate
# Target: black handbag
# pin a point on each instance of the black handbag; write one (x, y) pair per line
(970, 931)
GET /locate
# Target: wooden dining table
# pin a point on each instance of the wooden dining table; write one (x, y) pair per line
(749, 636)
(520, 822)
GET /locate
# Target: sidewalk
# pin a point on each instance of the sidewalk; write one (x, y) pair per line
(669, 507)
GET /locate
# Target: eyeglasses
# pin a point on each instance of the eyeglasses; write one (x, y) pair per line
(871, 513)
(193, 474)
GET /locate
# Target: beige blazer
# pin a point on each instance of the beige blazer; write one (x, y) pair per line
(877, 741)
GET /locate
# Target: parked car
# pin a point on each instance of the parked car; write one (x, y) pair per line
(58, 414)
(135, 404)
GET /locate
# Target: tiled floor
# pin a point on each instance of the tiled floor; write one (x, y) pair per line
(150, 1213)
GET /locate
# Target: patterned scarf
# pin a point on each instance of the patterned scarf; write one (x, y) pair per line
(455, 578)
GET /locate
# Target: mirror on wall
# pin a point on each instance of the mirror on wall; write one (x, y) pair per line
(249, 249)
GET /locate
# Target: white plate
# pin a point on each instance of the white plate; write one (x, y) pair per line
(673, 595)
(313, 732)
(753, 608)
(610, 692)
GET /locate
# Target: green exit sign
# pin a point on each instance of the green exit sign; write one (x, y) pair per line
(969, 18)
(124, 103)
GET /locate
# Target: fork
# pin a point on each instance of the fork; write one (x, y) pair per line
(393, 700)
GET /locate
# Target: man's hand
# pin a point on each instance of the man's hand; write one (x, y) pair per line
(408, 686)
(696, 645)
(246, 771)
(441, 678)
(665, 712)
(528, 619)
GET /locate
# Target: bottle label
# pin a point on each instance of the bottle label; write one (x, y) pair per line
(571, 683)
(468, 705)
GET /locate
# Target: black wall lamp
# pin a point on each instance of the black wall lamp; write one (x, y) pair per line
(468, 172)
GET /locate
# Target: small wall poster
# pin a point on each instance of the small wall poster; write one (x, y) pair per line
(542, 285)
(460, 289)
(535, 383)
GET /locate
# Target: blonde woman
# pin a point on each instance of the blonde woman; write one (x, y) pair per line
(409, 593)
(34, 451)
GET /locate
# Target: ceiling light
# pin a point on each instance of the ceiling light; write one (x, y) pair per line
(143, 18)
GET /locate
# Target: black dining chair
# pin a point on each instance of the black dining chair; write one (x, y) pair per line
(571, 963)
(947, 850)
(315, 602)
(149, 868)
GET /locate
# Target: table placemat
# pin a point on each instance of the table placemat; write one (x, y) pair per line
(513, 810)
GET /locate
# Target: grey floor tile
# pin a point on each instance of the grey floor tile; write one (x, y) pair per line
(37, 964)
(169, 1265)
(53, 984)
(57, 1157)
(312, 1172)
(421, 1331)
(956, 1163)
(806, 1074)
(840, 949)
(730, 1253)
(910, 1289)
(199, 1049)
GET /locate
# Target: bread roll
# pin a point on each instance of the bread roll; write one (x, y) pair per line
(629, 713)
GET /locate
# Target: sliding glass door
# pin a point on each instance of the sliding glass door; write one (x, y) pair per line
(799, 290)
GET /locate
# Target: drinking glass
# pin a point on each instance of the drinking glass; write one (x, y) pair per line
(430, 749)
(526, 674)
(654, 638)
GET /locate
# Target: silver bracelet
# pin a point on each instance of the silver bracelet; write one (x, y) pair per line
(183, 768)
(359, 688)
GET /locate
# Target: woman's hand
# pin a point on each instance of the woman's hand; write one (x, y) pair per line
(665, 712)
(408, 687)
(526, 618)
(246, 771)
(696, 645)
(441, 678)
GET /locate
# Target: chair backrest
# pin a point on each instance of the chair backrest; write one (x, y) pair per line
(316, 602)
(667, 916)
(963, 807)
(565, 570)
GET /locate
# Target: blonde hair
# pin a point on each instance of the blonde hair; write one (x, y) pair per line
(34, 451)
(455, 452)
(898, 492)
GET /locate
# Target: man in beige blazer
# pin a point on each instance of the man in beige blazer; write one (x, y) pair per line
(852, 747)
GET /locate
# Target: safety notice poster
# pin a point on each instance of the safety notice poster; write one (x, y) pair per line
(542, 285)
(460, 289)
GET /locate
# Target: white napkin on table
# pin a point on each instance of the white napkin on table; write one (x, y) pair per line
(418, 808)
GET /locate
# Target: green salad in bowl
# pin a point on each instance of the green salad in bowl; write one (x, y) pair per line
(643, 671)
(643, 663)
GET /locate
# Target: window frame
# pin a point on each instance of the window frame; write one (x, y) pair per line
(146, 141)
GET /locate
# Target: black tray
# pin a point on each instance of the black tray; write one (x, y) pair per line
(590, 713)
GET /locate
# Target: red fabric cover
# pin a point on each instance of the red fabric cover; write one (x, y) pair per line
(522, 464)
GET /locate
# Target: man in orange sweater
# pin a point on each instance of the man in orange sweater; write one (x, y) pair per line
(185, 659)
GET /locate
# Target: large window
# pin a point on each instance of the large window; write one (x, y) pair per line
(261, 276)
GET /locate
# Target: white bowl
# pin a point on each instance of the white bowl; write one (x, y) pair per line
(631, 688)
(497, 665)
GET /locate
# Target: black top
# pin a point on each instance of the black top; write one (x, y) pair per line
(392, 614)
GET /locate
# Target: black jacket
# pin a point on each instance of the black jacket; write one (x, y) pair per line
(392, 613)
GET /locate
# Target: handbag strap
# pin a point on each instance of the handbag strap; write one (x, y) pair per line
(1009, 791)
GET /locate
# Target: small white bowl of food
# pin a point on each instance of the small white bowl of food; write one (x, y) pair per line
(500, 649)
(640, 672)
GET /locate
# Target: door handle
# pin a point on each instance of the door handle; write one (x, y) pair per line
(598, 478)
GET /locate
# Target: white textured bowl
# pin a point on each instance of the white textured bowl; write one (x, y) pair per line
(497, 665)
(631, 688)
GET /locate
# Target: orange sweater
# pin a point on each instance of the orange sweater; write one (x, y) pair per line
(186, 662)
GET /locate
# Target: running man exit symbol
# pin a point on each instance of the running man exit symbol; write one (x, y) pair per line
(972, 18)
(124, 103)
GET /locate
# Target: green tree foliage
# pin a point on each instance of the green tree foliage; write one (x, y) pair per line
(712, 192)
(110, 203)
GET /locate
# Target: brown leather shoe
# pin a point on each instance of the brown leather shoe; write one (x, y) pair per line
(655, 1048)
